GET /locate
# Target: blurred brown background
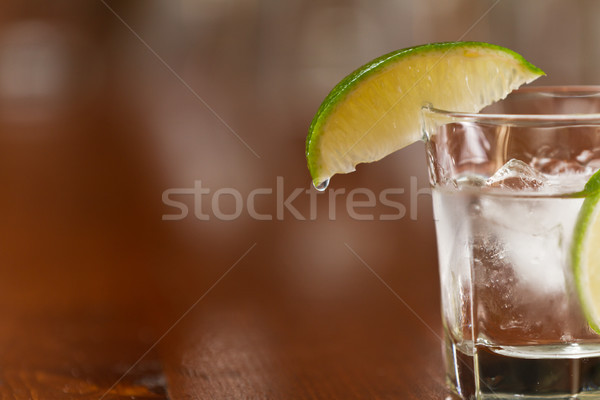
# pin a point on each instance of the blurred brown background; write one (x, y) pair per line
(104, 106)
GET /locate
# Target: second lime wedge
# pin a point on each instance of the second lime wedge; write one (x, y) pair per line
(586, 253)
(375, 110)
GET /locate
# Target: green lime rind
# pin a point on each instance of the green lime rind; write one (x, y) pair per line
(346, 85)
(591, 187)
(588, 221)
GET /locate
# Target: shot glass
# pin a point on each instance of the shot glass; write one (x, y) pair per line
(507, 191)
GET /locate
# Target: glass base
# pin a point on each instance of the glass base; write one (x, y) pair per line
(527, 372)
(502, 396)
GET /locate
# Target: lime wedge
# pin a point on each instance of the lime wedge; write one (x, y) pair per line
(375, 110)
(586, 253)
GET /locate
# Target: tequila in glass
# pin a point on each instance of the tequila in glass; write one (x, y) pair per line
(506, 193)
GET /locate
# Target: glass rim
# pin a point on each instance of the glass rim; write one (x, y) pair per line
(550, 91)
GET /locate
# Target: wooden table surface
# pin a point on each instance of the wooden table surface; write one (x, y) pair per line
(100, 298)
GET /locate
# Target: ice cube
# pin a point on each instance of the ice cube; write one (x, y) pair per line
(559, 167)
(590, 158)
(536, 255)
(585, 156)
(516, 175)
(469, 181)
(512, 300)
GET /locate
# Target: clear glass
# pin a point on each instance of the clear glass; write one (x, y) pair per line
(506, 186)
